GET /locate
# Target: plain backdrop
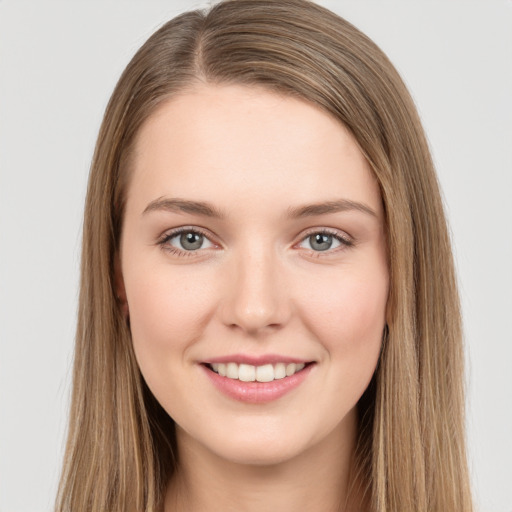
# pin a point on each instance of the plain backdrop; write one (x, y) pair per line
(59, 62)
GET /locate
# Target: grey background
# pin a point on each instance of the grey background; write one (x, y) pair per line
(59, 62)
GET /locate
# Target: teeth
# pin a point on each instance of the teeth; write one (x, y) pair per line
(250, 373)
(232, 370)
(246, 372)
(290, 369)
(279, 371)
(265, 373)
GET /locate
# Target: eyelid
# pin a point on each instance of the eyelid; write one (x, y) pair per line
(345, 240)
(169, 234)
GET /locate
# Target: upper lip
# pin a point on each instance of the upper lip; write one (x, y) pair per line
(253, 360)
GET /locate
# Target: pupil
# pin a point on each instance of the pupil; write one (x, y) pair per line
(191, 241)
(320, 242)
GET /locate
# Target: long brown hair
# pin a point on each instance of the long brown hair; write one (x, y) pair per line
(411, 448)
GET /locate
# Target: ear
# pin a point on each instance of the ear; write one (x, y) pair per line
(119, 286)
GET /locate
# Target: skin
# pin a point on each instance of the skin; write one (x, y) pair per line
(256, 286)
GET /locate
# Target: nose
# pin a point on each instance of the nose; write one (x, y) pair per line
(255, 299)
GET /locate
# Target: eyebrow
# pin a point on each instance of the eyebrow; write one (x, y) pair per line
(206, 209)
(340, 205)
(183, 206)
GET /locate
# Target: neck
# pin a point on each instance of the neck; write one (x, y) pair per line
(318, 479)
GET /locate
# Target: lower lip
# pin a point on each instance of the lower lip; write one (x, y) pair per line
(257, 392)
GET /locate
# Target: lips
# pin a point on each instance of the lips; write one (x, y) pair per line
(256, 379)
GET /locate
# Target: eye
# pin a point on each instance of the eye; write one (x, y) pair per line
(186, 240)
(324, 241)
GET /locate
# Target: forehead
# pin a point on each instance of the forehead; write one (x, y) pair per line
(231, 143)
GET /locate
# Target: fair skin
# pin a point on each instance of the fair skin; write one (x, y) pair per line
(256, 277)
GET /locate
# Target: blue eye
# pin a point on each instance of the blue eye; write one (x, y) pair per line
(324, 241)
(321, 242)
(187, 240)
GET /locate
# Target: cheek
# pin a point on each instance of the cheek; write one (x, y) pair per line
(167, 314)
(348, 318)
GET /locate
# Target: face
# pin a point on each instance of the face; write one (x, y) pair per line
(253, 262)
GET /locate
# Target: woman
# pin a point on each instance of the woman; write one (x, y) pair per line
(268, 309)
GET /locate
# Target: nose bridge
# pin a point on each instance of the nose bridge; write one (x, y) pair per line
(256, 298)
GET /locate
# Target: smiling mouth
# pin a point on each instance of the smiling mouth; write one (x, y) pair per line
(251, 373)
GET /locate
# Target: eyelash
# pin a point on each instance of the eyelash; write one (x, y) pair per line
(163, 242)
(345, 241)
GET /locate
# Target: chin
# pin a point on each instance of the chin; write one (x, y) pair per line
(261, 443)
(254, 454)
